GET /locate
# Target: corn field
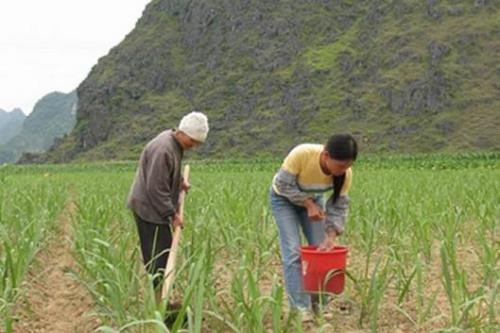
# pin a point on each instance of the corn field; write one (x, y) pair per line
(423, 235)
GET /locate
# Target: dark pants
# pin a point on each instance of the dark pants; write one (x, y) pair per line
(156, 240)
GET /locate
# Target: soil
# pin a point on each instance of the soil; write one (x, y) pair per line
(52, 300)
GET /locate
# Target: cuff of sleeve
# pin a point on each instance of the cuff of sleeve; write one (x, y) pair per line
(332, 226)
(170, 211)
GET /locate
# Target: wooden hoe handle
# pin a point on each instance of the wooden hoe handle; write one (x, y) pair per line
(172, 258)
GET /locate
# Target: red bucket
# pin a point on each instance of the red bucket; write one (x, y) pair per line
(323, 271)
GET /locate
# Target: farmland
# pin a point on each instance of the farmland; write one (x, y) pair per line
(423, 235)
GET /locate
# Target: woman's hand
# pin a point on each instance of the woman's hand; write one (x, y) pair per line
(314, 212)
(329, 242)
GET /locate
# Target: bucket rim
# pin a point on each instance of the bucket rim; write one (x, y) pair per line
(312, 249)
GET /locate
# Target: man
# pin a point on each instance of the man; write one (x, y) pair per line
(155, 191)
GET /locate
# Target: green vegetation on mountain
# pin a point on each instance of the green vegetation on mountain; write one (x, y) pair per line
(10, 124)
(53, 116)
(403, 76)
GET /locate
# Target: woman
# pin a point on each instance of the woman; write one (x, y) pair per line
(297, 203)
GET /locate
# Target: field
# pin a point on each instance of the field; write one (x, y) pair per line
(423, 234)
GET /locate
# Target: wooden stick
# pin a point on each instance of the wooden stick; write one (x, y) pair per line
(170, 269)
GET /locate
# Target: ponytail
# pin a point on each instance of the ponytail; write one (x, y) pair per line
(341, 147)
(338, 182)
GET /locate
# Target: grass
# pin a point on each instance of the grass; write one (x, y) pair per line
(28, 209)
(422, 234)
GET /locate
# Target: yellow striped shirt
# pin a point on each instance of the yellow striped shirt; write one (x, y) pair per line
(304, 162)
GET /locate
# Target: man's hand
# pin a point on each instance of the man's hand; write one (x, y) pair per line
(177, 221)
(185, 186)
(329, 242)
(314, 212)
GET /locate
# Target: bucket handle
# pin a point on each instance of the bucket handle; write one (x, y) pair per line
(331, 274)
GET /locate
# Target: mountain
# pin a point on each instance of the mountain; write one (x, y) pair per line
(401, 75)
(10, 124)
(53, 116)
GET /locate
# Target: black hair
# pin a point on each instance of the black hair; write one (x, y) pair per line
(341, 147)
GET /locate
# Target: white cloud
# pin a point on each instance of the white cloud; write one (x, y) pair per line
(51, 45)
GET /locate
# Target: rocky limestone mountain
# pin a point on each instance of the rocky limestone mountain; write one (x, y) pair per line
(53, 116)
(10, 124)
(402, 75)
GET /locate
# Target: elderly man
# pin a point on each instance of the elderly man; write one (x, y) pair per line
(154, 194)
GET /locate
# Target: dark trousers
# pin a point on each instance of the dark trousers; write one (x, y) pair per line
(156, 240)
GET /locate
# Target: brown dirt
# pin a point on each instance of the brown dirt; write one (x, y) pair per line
(52, 300)
(344, 311)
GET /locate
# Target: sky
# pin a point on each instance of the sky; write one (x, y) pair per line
(51, 45)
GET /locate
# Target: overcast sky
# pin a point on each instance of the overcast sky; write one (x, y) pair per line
(51, 45)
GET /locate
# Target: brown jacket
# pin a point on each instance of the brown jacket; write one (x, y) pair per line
(155, 191)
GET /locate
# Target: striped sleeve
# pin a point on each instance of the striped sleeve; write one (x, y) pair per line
(285, 184)
(336, 214)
